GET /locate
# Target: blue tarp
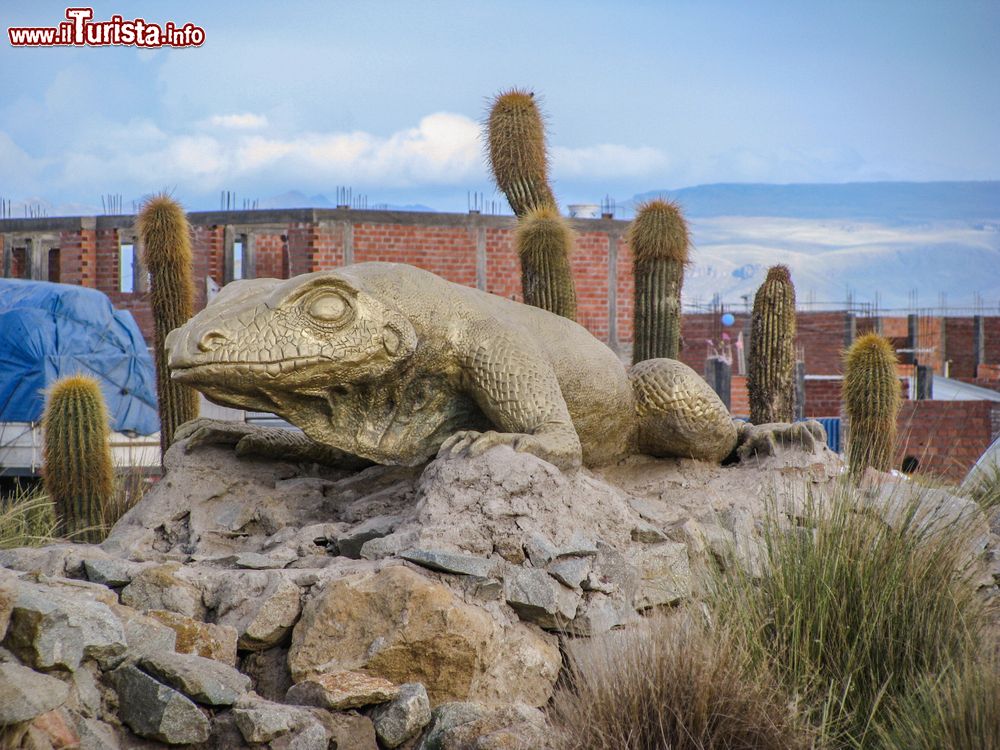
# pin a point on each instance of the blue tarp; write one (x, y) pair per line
(49, 331)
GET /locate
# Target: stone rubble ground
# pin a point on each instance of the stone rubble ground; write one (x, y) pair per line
(251, 604)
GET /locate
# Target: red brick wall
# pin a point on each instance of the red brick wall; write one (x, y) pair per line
(958, 341)
(739, 398)
(269, 252)
(447, 251)
(823, 398)
(589, 262)
(946, 437)
(991, 336)
(503, 269)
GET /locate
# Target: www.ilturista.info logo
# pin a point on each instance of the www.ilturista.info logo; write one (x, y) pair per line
(80, 31)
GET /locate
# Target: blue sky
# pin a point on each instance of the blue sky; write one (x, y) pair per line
(386, 97)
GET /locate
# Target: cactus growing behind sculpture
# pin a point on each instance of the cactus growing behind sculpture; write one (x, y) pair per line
(166, 241)
(544, 242)
(78, 473)
(871, 394)
(518, 158)
(659, 240)
(771, 371)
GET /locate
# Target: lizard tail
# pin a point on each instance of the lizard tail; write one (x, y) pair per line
(679, 414)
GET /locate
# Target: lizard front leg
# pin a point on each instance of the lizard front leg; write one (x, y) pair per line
(516, 388)
(266, 442)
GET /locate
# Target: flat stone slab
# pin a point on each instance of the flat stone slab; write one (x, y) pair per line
(25, 693)
(452, 562)
(157, 712)
(203, 680)
(339, 691)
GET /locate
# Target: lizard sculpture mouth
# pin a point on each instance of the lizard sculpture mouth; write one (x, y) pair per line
(224, 368)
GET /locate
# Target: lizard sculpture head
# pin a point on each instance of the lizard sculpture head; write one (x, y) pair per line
(264, 343)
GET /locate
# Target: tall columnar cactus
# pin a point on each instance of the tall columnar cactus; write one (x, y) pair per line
(659, 240)
(771, 371)
(78, 474)
(166, 241)
(544, 242)
(516, 137)
(871, 395)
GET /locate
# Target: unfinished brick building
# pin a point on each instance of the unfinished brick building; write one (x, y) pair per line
(102, 252)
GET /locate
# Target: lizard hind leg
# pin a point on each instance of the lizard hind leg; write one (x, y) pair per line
(678, 413)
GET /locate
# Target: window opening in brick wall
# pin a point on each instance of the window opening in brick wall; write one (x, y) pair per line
(19, 263)
(126, 267)
(238, 258)
(54, 265)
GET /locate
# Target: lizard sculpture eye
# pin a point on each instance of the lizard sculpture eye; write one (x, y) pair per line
(328, 308)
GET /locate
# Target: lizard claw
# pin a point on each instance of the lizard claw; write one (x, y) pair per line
(199, 432)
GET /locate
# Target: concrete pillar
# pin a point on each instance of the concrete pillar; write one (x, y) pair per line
(799, 407)
(978, 343)
(719, 374)
(850, 329)
(613, 237)
(925, 383)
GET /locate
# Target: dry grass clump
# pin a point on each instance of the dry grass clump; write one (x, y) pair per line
(853, 612)
(957, 709)
(28, 515)
(671, 683)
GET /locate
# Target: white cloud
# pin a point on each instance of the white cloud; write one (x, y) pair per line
(229, 151)
(238, 121)
(608, 160)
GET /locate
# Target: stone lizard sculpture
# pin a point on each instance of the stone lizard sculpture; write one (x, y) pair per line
(392, 364)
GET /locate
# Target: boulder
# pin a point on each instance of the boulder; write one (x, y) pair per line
(400, 625)
(202, 680)
(262, 607)
(664, 574)
(25, 694)
(49, 629)
(279, 726)
(539, 598)
(404, 717)
(338, 691)
(202, 638)
(160, 587)
(157, 712)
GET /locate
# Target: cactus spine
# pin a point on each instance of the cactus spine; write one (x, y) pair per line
(166, 241)
(544, 241)
(78, 474)
(771, 371)
(516, 140)
(871, 396)
(659, 240)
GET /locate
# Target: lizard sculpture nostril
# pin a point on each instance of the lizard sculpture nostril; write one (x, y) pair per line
(212, 341)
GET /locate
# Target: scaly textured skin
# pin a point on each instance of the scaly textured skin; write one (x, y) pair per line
(392, 364)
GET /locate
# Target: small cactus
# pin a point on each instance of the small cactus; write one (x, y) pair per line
(78, 473)
(659, 240)
(771, 371)
(871, 395)
(544, 242)
(516, 140)
(166, 241)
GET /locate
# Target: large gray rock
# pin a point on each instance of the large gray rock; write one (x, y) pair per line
(539, 598)
(664, 574)
(49, 628)
(160, 587)
(157, 712)
(279, 726)
(8, 593)
(262, 607)
(404, 717)
(25, 694)
(349, 544)
(203, 680)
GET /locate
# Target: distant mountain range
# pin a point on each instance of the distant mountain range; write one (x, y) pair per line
(297, 199)
(883, 201)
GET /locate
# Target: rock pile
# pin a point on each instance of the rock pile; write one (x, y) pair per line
(248, 604)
